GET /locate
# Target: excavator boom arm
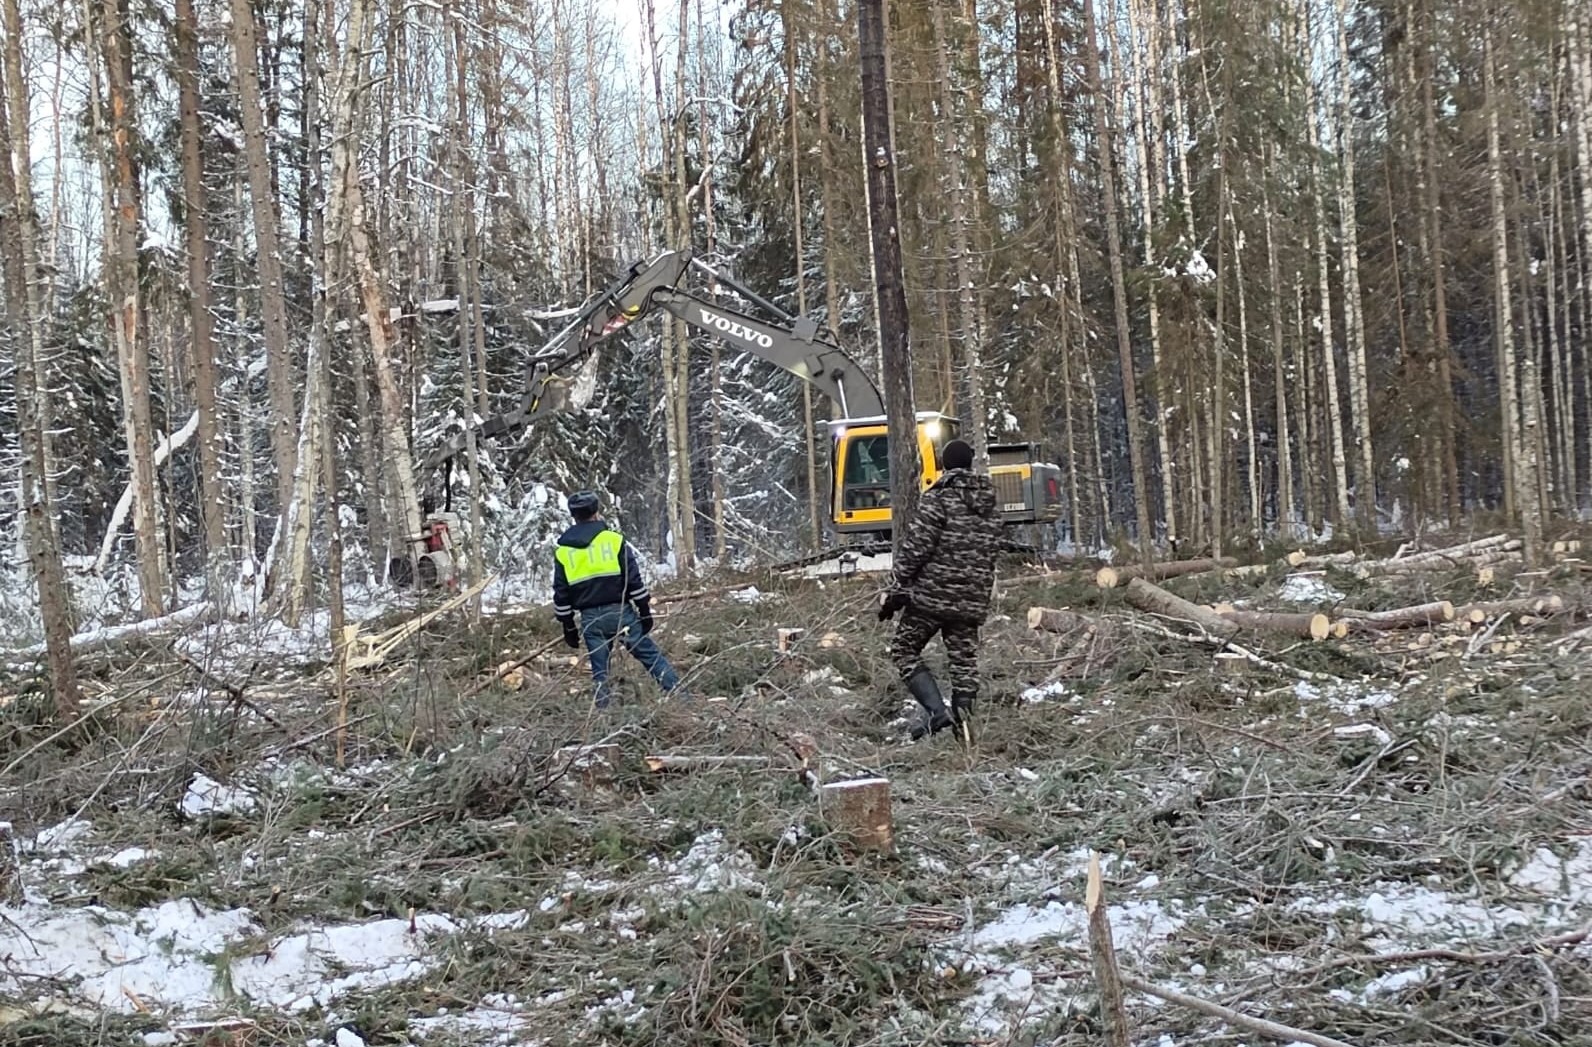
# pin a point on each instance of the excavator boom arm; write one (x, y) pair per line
(794, 345)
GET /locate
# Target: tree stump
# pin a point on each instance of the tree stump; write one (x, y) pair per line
(860, 809)
(591, 765)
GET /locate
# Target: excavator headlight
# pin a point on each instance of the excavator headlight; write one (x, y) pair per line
(933, 429)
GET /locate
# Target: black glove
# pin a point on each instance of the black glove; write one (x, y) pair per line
(571, 637)
(644, 612)
(896, 601)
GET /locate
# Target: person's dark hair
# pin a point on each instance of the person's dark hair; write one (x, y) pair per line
(583, 505)
(958, 454)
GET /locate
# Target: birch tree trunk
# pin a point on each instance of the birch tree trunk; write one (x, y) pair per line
(1119, 291)
(1519, 433)
(1353, 315)
(1286, 523)
(798, 212)
(122, 279)
(463, 203)
(19, 270)
(1580, 40)
(262, 199)
(345, 223)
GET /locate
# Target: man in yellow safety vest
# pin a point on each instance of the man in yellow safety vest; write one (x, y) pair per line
(595, 572)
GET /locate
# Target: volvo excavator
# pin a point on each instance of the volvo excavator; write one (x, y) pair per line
(1028, 491)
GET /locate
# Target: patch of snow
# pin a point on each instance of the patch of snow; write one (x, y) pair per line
(59, 838)
(127, 857)
(1040, 695)
(1549, 875)
(205, 796)
(1008, 996)
(1383, 985)
(711, 866)
(879, 563)
(1343, 697)
(348, 1038)
(1307, 589)
(497, 1019)
(748, 595)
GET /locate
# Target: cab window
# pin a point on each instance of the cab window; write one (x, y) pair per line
(867, 473)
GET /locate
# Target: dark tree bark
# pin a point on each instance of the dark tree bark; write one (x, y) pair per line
(18, 267)
(889, 286)
(211, 507)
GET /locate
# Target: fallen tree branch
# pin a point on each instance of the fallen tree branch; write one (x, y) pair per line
(508, 667)
(233, 691)
(1263, 1026)
(1536, 945)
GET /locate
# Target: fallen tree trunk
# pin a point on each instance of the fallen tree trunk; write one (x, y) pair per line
(1263, 1026)
(1111, 577)
(1156, 600)
(1311, 626)
(1536, 606)
(1442, 559)
(1421, 616)
(1463, 550)
(1292, 560)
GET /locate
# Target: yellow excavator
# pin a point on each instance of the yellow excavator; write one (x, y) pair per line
(1028, 491)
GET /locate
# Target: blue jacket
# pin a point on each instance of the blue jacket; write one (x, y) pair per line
(594, 566)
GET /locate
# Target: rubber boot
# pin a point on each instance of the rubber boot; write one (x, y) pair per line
(927, 692)
(962, 714)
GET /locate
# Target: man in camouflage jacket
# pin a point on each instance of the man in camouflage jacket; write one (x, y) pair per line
(942, 579)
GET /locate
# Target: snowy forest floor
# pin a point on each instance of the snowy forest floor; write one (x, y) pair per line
(199, 866)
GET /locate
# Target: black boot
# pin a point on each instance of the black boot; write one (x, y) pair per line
(962, 714)
(927, 692)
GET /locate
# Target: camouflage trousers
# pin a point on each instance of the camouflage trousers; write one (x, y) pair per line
(914, 632)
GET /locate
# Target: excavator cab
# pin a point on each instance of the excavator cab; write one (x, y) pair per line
(860, 454)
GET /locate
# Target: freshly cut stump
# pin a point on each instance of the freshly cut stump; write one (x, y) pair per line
(860, 808)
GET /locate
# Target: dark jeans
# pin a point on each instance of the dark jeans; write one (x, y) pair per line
(602, 628)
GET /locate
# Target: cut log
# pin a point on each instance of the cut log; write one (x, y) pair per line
(1326, 560)
(785, 639)
(1111, 577)
(1155, 600)
(860, 810)
(1439, 559)
(667, 762)
(1054, 620)
(1534, 606)
(1311, 626)
(1421, 616)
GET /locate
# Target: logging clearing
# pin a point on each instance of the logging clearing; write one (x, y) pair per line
(1312, 801)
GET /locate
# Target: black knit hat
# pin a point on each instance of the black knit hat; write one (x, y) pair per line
(958, 454)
